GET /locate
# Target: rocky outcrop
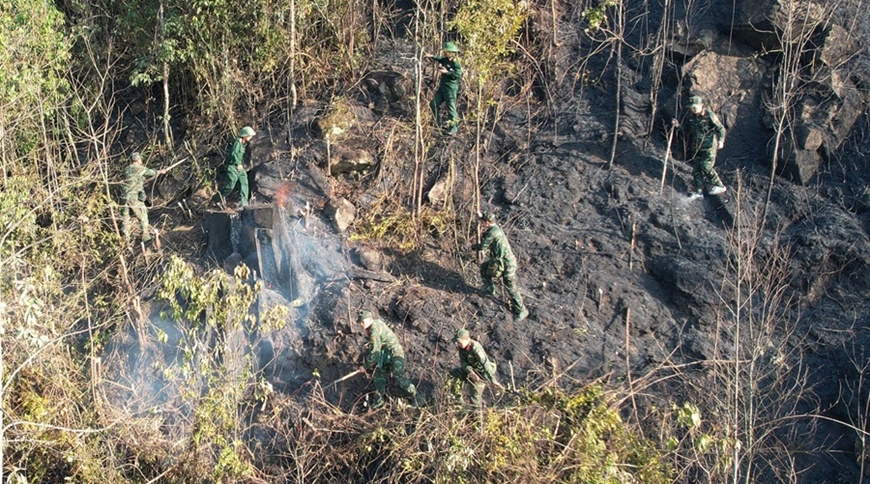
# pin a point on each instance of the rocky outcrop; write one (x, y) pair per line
(387, 88)
(336, 122)
(341, 212)
(824, 95)
(761, 23)
(349, 160)
(726, 82)
(437, 195)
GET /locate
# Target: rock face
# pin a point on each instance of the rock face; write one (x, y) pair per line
(825, 97)
(336, 122)
(341, 212)
(728, 83)
(349, 160)
(833, 47)
(761, 23)
(387, 88)
(437, 195)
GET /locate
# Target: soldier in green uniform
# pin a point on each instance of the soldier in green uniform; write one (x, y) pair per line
(386, 359)
(706, 136)
(448, 89)
(235, 170)
(500, 263)
(476, 368)
(134, 196)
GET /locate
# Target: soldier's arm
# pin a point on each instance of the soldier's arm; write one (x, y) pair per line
(375, 353)
(454, 70)
(488, 239)
(371, 360)
(149, 172)
(237, 154)
(463, 361)
(720, 129)
(483, 359)
(377, 341)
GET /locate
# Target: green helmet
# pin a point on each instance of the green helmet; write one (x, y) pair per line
(363, 315)
(461, 334)
(487, 216)
(450, 47)
(695, 101)
(247, 132)
(136, 156)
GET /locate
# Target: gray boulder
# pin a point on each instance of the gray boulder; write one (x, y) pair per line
(349, 160)
(341, 212)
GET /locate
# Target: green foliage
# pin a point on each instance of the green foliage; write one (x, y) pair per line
(597, 15)
(551, 436)
(227, 47)
(695, 443)
(17, 218)
(688, 415)
(612, 452)
(387, 221)
(207, 309)
(488, 29)
(34, 60)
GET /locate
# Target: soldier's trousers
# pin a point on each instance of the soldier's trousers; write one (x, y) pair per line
(395, 369)
(705, 177)
(509, 277)
(448, 97)
(235, 175)
(141, 212)
(477, 387)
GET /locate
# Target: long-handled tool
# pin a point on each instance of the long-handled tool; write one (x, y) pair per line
(346, 377)
(475, 378)
(166, 170)
(665, 159)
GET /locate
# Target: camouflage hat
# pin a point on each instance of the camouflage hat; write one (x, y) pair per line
(363, 315)
(450, 47)
(247, 131)
(461, 334)
(695, 101)
(487, 216)
(136, 156)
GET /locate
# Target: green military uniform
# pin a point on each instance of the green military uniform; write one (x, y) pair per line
(500, 263)
(235, 172)
(473, 358)
(704, 131)
(134, 198)
(448, 89)
(387, 360)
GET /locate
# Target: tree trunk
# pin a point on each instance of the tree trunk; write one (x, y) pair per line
(293, 95)
(167, 130)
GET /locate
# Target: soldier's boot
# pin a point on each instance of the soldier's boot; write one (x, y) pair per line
(379, 398)
(522, 313)
(488, 290)
(451, 127)
(146, 234)
(414, 398)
